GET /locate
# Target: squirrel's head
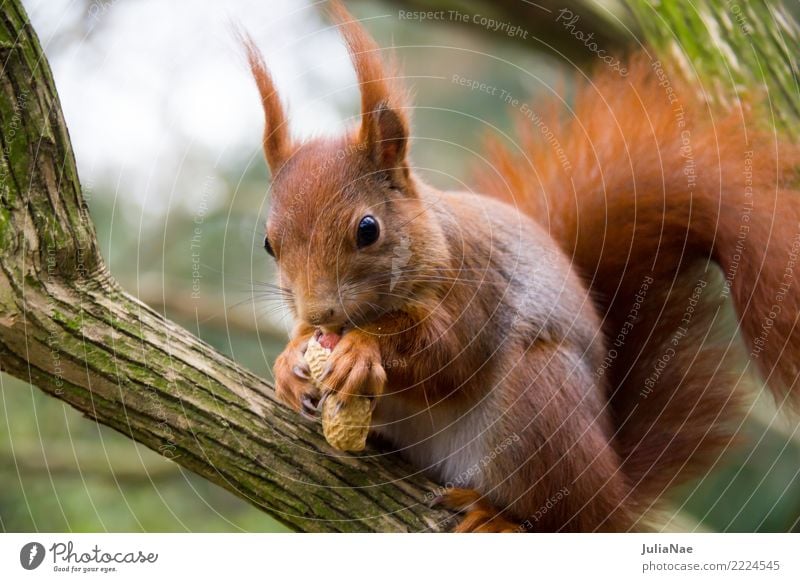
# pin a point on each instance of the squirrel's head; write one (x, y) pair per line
(346, 223)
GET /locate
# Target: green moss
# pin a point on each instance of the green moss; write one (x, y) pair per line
(72, 323)
(5, 226)
(32, 282)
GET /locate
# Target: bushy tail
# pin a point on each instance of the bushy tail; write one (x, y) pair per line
(647, 187)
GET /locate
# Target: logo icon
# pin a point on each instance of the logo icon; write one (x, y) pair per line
(401, 257)
(31, 555)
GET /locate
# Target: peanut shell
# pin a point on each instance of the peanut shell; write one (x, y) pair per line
(345, 425)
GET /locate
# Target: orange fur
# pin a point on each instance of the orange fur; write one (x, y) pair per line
(656, 188)
(479, 515)
(485, 335)
(276, 142)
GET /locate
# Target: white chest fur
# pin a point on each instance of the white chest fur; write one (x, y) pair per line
(447, 444)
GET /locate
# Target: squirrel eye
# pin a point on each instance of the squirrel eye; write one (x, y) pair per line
(268, 247)
(368, 231)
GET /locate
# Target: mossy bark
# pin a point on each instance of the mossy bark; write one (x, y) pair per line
(67, 327)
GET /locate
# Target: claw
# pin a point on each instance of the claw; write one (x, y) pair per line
(323, 399)
(308, 409)
(326, 371)
(301, 371)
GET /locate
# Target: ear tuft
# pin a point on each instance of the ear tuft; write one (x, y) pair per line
(277, 142)
(384, 125)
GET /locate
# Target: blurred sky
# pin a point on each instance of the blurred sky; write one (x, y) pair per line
(166, 123)
(147, 84)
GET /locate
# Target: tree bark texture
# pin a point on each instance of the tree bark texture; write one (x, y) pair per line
(67, 327)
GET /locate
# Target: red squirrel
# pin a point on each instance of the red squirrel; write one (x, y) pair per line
(535, 347)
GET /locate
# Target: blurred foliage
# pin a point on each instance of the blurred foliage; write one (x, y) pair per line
(755, 487)
(61, 472)
(732, 49)
(532, 24)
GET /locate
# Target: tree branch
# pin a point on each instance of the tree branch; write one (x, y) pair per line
(67, 327)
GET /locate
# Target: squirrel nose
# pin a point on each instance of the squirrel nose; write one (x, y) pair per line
(320, 315)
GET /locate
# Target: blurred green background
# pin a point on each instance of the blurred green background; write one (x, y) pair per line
(166, 125)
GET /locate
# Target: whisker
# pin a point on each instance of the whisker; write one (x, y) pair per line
(456, 280)
(258, 297)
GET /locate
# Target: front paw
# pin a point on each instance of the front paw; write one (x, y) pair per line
(354, 367)
(479, 515)
(293, 385)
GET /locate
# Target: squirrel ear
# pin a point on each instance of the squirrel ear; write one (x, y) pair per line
(384, 126)
(385, 133)
(277, 142)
